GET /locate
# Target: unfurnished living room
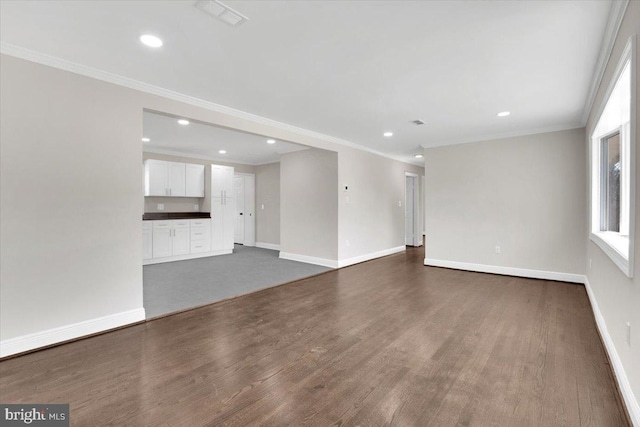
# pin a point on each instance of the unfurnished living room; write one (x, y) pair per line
(287, 213)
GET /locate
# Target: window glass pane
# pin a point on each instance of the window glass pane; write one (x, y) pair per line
(612, 146)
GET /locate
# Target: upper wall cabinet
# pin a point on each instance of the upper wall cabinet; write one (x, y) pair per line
(173, 179)
(194, 180)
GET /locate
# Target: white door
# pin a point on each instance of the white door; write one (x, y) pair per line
(409, 220)
(156, 178)
(177, 179)
(194, 180)
(228, 219)
(238, 189)
(181, 241)
(250, 210)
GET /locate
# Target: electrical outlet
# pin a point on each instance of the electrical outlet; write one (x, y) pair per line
(160, 206)
(346, 200)
(400, 203)
(589, 263)
(497, 249)
(196, 207)
(262, 206)
(629, 333)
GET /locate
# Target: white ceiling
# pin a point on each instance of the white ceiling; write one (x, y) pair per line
(347, 69)
(203, 140)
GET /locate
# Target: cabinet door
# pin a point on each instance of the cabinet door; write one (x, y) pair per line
(228, 223)
(156, 178)
(177, 184)
(181, 241)
(147, 242)
(217, 225)
(221, 181)
(194, 180)
(162, 242)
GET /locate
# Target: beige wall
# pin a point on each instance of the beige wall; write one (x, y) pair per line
(268, 194)
(186, 204)
(372, 220)
(618, 296)
(309, 203)
(524, 194)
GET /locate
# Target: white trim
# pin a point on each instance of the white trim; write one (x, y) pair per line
(309, 259)
(65, 333)
(616, 256)
(616, 14)
(507, 271)
(271, 246)
(373, 255)
(504, 135)
(185, 257)
(618, 369)
(62, 64)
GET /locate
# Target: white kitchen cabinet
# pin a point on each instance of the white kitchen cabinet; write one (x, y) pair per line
(147, 240)
(194, 180)
(223, 208)
(171, 238)
(200, 235)
(173, 179)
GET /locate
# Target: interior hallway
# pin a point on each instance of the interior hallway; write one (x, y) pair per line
(388, 341)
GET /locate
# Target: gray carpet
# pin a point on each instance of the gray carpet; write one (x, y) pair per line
(178, 285)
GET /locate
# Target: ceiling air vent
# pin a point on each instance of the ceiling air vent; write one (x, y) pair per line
(221, 12)
(417, 122)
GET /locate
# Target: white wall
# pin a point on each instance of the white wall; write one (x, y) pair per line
(268, 194)
(309, 204)
(617, 296)
(524, 194)
(71, 199)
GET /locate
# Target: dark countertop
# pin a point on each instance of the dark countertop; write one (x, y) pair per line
(154, 216)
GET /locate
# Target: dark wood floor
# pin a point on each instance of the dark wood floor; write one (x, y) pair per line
(384, 342)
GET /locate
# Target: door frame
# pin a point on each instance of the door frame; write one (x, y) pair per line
(249, 220)
(417, 233)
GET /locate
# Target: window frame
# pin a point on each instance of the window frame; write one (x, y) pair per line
(618, 247)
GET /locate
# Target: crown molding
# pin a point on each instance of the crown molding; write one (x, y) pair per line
(73, 67)
(504, 135)
(616, 14)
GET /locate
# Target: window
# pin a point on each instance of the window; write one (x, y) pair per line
(613, 167)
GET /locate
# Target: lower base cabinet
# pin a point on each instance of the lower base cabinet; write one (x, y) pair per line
(168, 239)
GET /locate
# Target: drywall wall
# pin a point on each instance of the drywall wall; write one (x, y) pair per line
(617, 296)
(71, 199)
(372, 203)
(268, 204)
(309, 204)
(524, 194)
(186, 204)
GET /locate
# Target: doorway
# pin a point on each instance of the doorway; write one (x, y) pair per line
(411, 212)
(244, 187)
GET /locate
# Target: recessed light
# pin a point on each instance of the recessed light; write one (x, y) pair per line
(151, 41)
(222, 151)
(504, 114)
(145, 140)
(388, 134)
(183, 122)
(271, 141)
(418, 156)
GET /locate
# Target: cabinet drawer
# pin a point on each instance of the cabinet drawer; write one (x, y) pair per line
(180, 223)
(200, 246)
(159, 225)
(200, 222)
(200, 233)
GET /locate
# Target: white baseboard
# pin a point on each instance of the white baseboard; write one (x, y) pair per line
(621, 377)
(373, 255)
(69, 332)
(185, 257)
(271, 246)
(309, 259)
(507, 271)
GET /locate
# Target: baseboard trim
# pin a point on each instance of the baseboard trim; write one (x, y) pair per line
(271, 246)
(309, 259)
(61, 334)
(507, 271)
(368, 257)
(186, 257)
(630, 401)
